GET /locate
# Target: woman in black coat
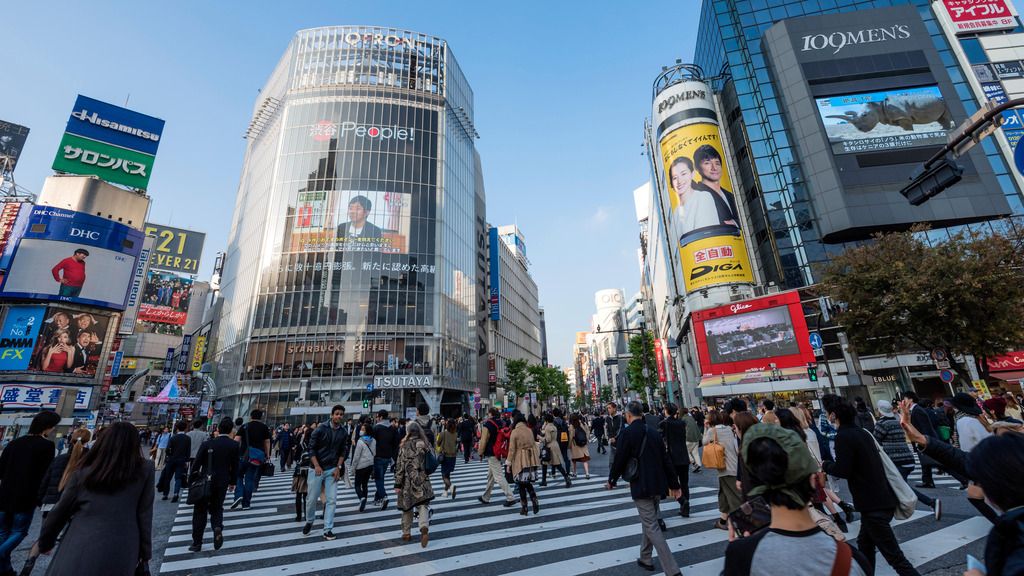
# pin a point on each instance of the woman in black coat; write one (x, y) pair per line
(111, 499)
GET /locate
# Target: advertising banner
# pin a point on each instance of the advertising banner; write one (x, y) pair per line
(42, 397)
(176, 250)
(659, 359)
(131, 309)
(198, 353)
(78, 155)
(70, 343)
(495, 273)
(752, 335)
(1010, 361)
(69, 256)
(972, 16)
(18, 336)
(885, 120)
(365, 222)
(12, 141)
(698, 199)
(8, 223)
(115, 125)
(165, 298)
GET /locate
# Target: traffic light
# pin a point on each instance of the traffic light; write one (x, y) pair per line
(928, 183)
(812, 372)
(366, 404)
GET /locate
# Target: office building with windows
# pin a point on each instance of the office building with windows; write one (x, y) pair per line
(515, 320)
(351, 273)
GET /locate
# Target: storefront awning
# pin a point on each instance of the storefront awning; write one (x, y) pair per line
(761, 387)
(1015, 376)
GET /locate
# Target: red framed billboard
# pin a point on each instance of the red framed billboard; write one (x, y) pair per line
(751, 335)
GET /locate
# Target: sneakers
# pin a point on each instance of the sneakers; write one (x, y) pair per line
(329, 535)
(937, 507)
(721, 525)
(244, 507)
(236, 503)
(588, 475)
(307, 528)
(195, 548)
(509, 503)
(362, 504)
(454, 488)
(661, 524)
(645, 565)
(482, 501)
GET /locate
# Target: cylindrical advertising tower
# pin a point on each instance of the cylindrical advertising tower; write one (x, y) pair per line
(697, 193)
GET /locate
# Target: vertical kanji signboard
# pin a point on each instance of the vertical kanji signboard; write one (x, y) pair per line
(113, 143)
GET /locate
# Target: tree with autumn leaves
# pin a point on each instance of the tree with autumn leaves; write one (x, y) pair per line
(963, 294)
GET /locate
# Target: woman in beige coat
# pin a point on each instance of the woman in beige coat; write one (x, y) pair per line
(523, 461)
(552, 451)
(576, 452)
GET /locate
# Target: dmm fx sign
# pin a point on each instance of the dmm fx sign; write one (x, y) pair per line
(403, 382)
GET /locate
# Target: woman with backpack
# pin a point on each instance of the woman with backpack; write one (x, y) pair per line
(412, 482)
(448, 451)
(551, 452)
(579, 449)
(362, 462)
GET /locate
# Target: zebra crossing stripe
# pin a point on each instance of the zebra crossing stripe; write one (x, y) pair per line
(924, 549)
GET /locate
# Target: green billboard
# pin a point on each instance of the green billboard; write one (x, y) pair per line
(78, 155)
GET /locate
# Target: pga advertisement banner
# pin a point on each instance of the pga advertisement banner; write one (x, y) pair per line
(700, 207)
(68, 256)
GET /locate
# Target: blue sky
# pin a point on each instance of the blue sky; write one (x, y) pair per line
(561, 92)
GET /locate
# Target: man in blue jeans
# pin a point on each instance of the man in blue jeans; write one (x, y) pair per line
(254, 442)
(387, 446)
(22, 467)
(328, 445)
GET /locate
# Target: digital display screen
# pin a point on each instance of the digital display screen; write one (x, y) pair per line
(751, 336)
(886, 120)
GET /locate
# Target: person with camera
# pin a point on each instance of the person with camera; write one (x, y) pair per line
(641, 460)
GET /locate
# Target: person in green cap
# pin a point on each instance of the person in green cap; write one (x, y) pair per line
(781, 470)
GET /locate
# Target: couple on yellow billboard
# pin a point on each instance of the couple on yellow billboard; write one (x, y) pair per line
(704, 203)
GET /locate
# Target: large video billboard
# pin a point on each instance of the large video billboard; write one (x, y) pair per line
(70, 256)
(111, 142)
(700, 204)
(18, 336)
(175, 249)
(70, 342)
(752, 335)
(357, 230)
(12, 141)
(165, 298)
(885, 120)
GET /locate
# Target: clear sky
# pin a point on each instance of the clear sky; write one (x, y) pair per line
(561, 93)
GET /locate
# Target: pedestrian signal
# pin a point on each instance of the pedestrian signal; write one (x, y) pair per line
(812, 372)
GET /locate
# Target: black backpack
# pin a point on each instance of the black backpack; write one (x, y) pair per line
(579, 437)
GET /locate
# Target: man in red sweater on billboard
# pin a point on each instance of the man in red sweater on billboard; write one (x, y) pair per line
(73, 277)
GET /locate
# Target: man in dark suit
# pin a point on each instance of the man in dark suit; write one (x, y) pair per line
(218, 458)
(83, 348)
(357, 228)
(920, 419)
(708, 163)
(656, 477)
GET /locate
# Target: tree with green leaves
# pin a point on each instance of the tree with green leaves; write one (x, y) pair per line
(963, 294)
(515, 377)
(605, 394)
(641, 350)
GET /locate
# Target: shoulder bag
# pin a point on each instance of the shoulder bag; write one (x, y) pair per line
(632, 472)
(713, 455)
(201, 487)
(904, 493)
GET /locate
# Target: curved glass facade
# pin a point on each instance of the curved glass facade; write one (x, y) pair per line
(352, 259)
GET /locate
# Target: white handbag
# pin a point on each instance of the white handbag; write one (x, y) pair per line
(904, 493)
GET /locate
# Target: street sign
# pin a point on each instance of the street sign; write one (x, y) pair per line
(369, 387)
(940, 359)
(815, 339)
(946, 376)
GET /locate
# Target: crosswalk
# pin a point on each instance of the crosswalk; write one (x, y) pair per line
(580, 530)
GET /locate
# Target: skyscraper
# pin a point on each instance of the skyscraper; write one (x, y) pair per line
(351, 274)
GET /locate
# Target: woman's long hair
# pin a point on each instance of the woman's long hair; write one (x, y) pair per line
(79, 438)
(115, 460)
(413, 431)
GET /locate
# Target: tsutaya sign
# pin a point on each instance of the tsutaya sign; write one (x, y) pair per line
(403, 381)
(836, 41)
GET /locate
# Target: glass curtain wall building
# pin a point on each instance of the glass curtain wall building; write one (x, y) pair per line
(351, 268)
(784, 233)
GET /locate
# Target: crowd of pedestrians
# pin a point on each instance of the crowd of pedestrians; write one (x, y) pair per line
(778, 470)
